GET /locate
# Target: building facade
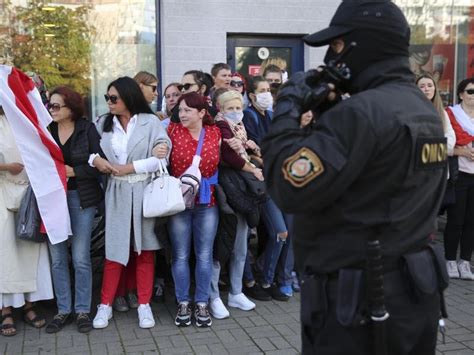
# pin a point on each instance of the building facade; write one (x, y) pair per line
(88, 43)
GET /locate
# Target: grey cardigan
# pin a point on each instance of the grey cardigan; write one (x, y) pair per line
(124, 201)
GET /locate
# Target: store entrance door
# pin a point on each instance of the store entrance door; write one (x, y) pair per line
(245, 53)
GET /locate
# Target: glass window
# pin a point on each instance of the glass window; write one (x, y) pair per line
(84, 44)
(442, 41)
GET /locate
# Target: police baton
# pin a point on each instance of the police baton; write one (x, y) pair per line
(378, 313)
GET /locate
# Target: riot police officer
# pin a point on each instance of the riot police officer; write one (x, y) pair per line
(365, 183)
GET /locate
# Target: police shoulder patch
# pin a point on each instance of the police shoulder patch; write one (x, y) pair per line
(302, 167)
(431, 153)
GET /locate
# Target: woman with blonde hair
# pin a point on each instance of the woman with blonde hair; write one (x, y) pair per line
(148, 84)
(277, 61)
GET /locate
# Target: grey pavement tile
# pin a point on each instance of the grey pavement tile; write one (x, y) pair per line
(74, 350)
(282, 352)
(217, 349)
(451, 346)
(469, 344)
(246, 349)
(225, 336)
(264, 344)
(458, 352)
(258, 320)
(115, 348)
(98, 349)
(280, 342)
(201, 349)
(179, 350)
(140, 348)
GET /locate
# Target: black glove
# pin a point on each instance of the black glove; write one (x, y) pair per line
(303, 92)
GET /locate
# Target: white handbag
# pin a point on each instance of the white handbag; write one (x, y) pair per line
(162, 196)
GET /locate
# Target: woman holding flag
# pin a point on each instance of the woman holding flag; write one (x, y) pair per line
(25, 274)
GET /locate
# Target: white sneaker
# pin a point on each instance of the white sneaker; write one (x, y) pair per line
(240, 301)
(465, 270)
(452, 267)
(104, 314)
(145, 316)
(217, 308)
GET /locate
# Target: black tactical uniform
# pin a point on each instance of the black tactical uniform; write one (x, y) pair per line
(371, 167)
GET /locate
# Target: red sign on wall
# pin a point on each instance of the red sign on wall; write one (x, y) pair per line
(254, 69)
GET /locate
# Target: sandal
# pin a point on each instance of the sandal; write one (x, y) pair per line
(37, 321)
(7, 330)
(58, 323)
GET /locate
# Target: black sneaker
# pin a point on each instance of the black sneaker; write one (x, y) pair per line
(183, 317)
(274, 292)
(58, 323)
(83, 322)
(256, 292)
(202, 316)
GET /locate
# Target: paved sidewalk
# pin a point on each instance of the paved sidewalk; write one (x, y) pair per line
(273, 328)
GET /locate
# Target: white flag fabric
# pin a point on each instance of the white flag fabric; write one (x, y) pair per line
(43, 159)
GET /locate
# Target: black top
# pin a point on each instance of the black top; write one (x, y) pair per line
(256, 124)
(84, 141)
(372, 165)
(66, 149)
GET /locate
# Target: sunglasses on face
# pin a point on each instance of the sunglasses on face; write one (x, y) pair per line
(236, 83)
(112, 98)
(55, 107)
(185, 87)
(153, 87)
(469, 91)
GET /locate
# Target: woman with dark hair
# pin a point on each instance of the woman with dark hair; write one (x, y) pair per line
(77, 138)
(133, 140)
(277, 254)
(460, 224)
(195, 226)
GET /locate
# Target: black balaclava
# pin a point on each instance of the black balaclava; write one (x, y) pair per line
(372, 47)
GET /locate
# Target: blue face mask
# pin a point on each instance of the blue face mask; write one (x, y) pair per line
(234, 116)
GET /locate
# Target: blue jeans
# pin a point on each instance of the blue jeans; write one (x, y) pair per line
(237, 261)
(199, 225)
(276, 222)
(81, 224)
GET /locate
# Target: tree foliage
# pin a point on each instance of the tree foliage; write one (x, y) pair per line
(55, 43)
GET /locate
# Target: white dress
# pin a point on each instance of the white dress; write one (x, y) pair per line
(20, 281)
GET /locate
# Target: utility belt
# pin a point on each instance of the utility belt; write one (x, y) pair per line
(420, 274)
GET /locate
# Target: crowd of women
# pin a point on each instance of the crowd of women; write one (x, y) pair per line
(222, 117)
(109, 161)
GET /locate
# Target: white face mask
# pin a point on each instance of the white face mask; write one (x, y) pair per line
(284, 76)
(234, 116)
(264, 100)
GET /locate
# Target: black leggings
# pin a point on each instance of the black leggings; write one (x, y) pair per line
(460, 223)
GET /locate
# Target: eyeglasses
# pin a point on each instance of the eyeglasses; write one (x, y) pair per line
(153, 87)
(185, 87)
(112, 98)
(469, 91)
(236, 83)
(175, 94)
(55, 107)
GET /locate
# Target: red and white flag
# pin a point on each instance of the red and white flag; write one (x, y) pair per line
(43, 159)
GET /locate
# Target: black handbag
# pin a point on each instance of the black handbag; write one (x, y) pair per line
(28, 219)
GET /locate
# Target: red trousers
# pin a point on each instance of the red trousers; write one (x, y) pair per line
(144, 269)
(128, 279)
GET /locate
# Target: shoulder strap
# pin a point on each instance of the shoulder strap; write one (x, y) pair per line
(201, 141)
